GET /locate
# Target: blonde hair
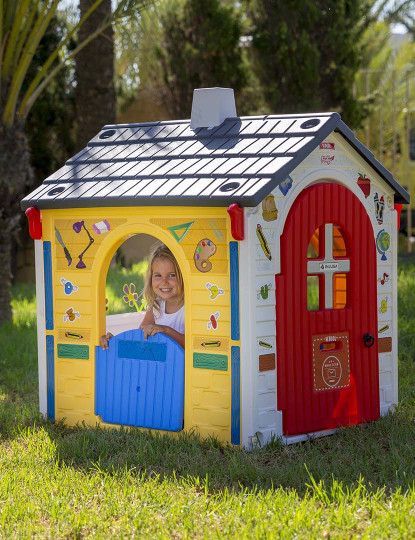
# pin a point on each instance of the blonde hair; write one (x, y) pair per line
(160, 251)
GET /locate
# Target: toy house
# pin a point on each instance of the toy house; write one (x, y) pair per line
(285, 229)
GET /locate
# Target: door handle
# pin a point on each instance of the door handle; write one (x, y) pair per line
(368, 340)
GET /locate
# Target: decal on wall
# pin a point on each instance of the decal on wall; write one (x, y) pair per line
(265, 289)
(383, 241)
(216, 230)
(65, 249)
(204, 250)
(207, 342)
(101, 227)
(78, 335)
(269, 210)
(389, 200)
(263, 242)
(131, 297)
(384, 345)
(211, 344)
(383, 279)
(326, 160)
(73, 335)
(383, 328)
(213, 321)
(80, 352)
(286, 185)
(77, 227)
(185, 227)
(364, 183)
(267, 362)
(379, 208)
(71, 315)
(265, 344)
(210, 361)
(68, 286)
(327, 146)
(383, 305)
(214, 290)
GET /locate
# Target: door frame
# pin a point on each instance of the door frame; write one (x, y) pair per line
(111, 242)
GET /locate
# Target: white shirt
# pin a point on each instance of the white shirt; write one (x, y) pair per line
(174, 320)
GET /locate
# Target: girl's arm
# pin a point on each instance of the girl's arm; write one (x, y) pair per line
(179, 338)
(148, 318)
(150, 328)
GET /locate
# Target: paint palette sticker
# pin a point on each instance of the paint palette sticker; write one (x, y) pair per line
(204, 250)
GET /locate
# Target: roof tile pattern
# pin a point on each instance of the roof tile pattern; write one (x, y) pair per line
(167, 163)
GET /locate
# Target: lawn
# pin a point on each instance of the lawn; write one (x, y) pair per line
(90, 483)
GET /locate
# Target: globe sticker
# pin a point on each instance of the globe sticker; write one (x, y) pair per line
(383, 242)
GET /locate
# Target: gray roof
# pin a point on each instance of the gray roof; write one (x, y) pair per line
(167, 163)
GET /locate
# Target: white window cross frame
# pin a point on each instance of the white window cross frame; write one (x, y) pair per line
(328, 266)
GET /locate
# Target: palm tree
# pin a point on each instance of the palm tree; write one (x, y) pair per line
(95, 88)
(23, 23)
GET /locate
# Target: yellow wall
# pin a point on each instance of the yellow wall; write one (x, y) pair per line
(207, 392)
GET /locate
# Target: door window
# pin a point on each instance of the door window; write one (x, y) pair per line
(327, 269)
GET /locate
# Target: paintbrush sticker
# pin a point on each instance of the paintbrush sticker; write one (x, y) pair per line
(65, 249)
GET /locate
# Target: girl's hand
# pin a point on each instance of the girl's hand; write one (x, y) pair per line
(153, 329)
(103, 340)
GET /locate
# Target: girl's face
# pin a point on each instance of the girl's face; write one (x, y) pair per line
(164, 280)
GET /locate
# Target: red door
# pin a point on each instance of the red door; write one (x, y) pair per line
(327, 358)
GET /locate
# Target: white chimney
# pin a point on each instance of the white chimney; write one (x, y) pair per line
(211, 106)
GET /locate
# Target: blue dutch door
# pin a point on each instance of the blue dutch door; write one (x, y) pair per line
(140, 382)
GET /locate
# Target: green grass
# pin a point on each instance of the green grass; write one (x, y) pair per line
(57, 482)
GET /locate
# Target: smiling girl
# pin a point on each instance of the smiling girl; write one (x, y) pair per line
(164, 294)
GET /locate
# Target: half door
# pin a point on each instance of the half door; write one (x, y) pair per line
(327, 356)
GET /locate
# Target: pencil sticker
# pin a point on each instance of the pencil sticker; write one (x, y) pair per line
(263, 242)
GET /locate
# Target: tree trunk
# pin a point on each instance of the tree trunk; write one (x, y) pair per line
(95, 90)
(16, 179)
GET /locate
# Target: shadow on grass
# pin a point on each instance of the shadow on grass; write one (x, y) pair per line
(380, 452)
